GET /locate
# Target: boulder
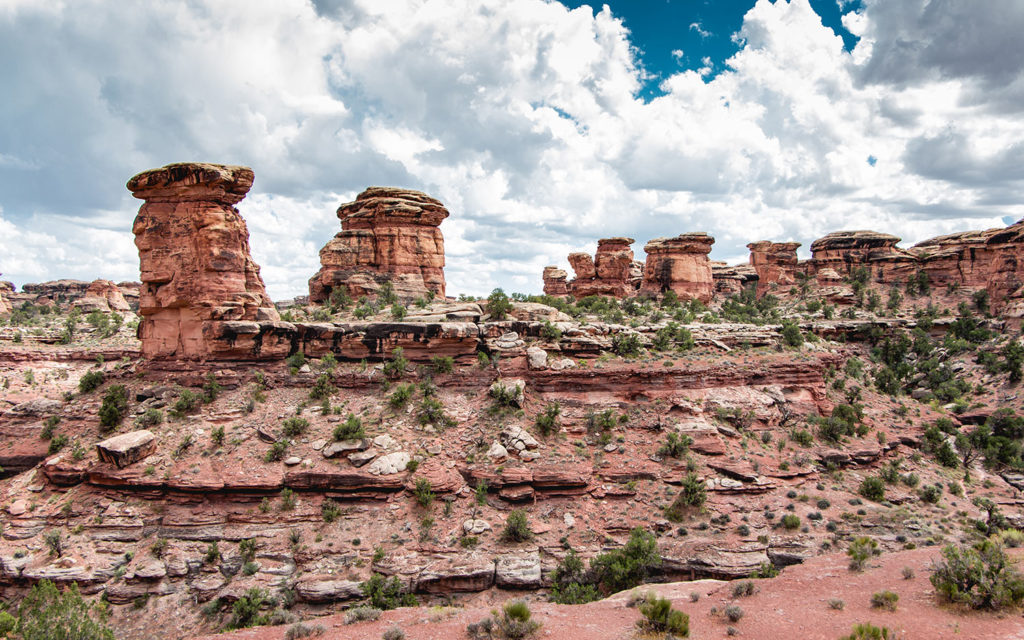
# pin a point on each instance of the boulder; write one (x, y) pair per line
(127, 448)
(536, 358)
(322, 589)
(518, 571)
(343, 447)
(390, 463)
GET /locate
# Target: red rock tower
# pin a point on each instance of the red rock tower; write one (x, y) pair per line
(775, 263)
(680, 264)
(194, 259)
(387, 234)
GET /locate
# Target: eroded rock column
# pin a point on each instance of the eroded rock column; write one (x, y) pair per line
(555, 282)
(681, 265)
(610, 272)
(194, 259)
(387, 234)
(775, 263)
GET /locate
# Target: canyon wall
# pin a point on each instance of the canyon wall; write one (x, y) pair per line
(194, 259)
(387, 235)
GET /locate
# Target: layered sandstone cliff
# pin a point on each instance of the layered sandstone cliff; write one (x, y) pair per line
(680, 264)
(194, 259)
(102, 295)
(387, 234)
(556, 282)
(844, 251)
(610, 272)
(776, 264)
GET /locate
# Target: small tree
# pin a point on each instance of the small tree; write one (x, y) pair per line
(114, 406)
(498, 305)
(517, 528)
(980, 577)
(860, 551)
(47, 613)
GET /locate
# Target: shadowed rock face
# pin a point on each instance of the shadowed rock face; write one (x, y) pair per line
(681, 265)
(195, 265)
(387, 234)
(775, 263)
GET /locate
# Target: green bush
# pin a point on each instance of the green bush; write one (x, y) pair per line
(330, 511)
(294, 426)
(442, 364)
(517, 528)
(187, 402)
(277, 451)
(627, 345)
(676, 446)
(114, 406)
(423, 493)
(211, 388)
(395, 368)
(979, 576)
(873, 488)
(90, 381)
(47, 613)
(547, 421)
(790, 521)
(884, 600)
(660, 617)
(550, 332)
(860, 551)
(246, 610)
(791, 334)
(400, 396)
(322, 388)
(571, 583)
(692, 495)
(629, 566)
(387, 593)
(498, 305)
(351, 429)
(515, 622)
(869, 631)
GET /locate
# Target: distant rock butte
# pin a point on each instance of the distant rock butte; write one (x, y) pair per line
(387, 234)
(195, 265)
(679, 264)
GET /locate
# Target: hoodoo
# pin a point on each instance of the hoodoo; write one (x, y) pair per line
(775, 263)
(387, 234)
(610, 272)
(195, 265)
(680, 264)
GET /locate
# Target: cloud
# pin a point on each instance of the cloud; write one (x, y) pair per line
(521, 115)
(696, 26)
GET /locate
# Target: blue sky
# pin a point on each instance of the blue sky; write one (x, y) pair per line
(542, 126)
(679, 34)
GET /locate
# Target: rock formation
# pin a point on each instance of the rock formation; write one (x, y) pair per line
(679, 264)
(555, 282)
(990, 260)
(387, 234)
(731, 280)
(610, 272)
(102, 295)
(775, 263)
(5, 307)
(195, 266)
(844, 251)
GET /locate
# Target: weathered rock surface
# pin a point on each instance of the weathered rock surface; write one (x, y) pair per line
(679, 264)
(102, 295)
(387, 234)
(775, 264)
(611, 271)
(194, 260)
(556, 281)
(127, 448)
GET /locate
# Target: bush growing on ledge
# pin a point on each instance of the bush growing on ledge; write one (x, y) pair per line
(351, 429)
(979, 576)
(692, 495)
(395, 368)
(387, 593)
(517, 528)
(884, 600)
(547, 420)
(791, 334)
(676, 446)
(571, 584)
(790, 522)
(294, 426)
(187, 402)
(90, 381)
(295, 362)
(400, 396)
(422, 492)
(627, 345)
(322, 388)
(498, 305)
(50, 613)
(629, 566)
(442, 364)
(276, 452)
(115, 405)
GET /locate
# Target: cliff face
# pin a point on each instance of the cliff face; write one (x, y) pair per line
(681, 265)
(775, 263)
(556, 282)
(612, 271)
(387, 234)
(194, 259)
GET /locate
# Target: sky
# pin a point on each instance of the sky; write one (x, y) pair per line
(541, 125)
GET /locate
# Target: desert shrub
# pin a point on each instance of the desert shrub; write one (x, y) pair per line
(692, 494)
(498, 305)
(48, 613)
(330, 511)
(294, 426)
(931, 493)
(867, 631)
(517, 528)
(660, 617)
(884, 600)
(211, 388)
(791, 334)
(246, 610)
(361, 614)
(276, 451)
(571, 582)
(515, 621)
(802, 437)
(790, 521)
(400, 396)
(322, 388)
(873, 488)
(547, 420)
(734, 613)
(57, 443)
(442, 364)
(627, 345)
(151, 418)
(187, 402)
(550, 332)
(295, 361)
(629, 566)
(395, 367)
(351, 429)
(979, 576)
(422, 492)
(675, 446)
(114, 406)
(300, 630)
(90, 381)
(743, 589)
(860, 551)
(394, 633)
(387, 593)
